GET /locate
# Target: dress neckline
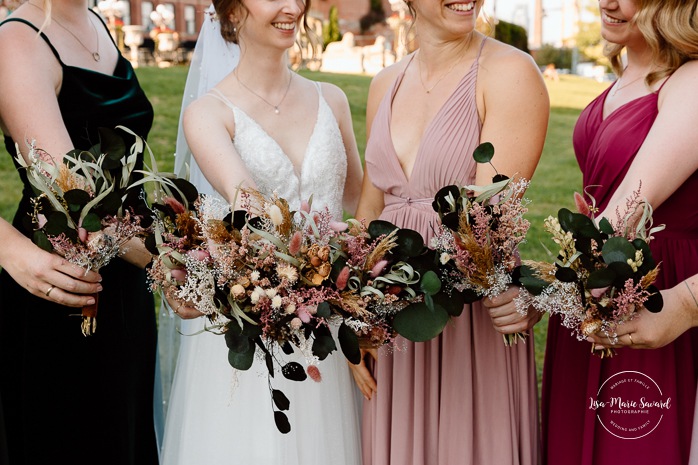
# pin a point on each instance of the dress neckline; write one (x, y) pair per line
(430, 126)
(297, 170)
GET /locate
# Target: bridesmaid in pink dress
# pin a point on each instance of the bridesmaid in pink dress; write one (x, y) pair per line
(462, 398)
(642, 129)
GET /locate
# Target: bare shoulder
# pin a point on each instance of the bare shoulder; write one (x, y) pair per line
(206, 112)
(16, 37)
(685, 76)
(334, 95)
(500, 59)
(386, 77)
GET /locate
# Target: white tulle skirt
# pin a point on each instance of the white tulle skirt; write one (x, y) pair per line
(218, 415)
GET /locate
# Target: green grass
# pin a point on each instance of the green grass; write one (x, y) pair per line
(556, 178)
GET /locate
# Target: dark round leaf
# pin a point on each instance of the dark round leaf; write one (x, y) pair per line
(605, 226)
(77, 197)
(280, 399)
(618, 249)
(565, 274)
(484, 152)
(111, 203)
(151, 244)
(430, 283)
(418, 324)
(349, 343)
(601, 278)
(379, 228)
(453, 304)
(565, 217)
(187, 188)
(655, 302)
(623, 272)
(56, 223)
(239, 217)
(92, 222)
(294, 371)
(282, 423)
(323, 345)
(323, 310)
(648, 262)
(39, 238)
(499, 178)
(241, 360)
(533, 285)
(287, 348)
(237, 342)
(409, 243)
(451, 220)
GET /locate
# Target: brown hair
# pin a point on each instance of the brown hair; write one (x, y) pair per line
(670, 28)
(225, 8)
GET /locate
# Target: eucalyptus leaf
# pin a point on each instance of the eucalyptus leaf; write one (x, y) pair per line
(77, 197)
(323, 345)
(241, 360)
(282, 423)
(484, 152)
(565, 217)
(605, 226)
(430, 283)
(377, 228)
(601, 278)
(565, 274)
(237, 342)
(453, 304)
(92, 222)
(280, 400)
(41, 239)
(56, 223)
(349, 343)
(269, 361)
(323, 310)
(409, 243)
(294, 371)
(655, 302)
(618, 249)
(418, 324)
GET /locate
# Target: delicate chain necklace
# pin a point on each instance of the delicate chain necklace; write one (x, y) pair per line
(275, 107)
(95, 54)
(428, 90)
(619, 87)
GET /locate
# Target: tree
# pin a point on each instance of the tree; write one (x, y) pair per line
(330, 31)
(589, 40)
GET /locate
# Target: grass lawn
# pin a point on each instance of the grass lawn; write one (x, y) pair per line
(556, 178)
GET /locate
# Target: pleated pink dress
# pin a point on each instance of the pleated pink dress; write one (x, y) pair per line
(463, 397)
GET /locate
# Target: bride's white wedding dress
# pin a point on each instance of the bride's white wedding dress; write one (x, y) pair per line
(218, 415)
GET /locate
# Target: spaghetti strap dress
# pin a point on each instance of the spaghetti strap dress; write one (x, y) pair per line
(572, 432)
(69, 398)
(464, 397)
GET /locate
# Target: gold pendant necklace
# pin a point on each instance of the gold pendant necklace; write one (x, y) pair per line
(95, 54)
(275, 107)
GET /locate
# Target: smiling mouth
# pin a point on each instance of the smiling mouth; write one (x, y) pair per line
(610, 20)
(461, 6)
(285, 26)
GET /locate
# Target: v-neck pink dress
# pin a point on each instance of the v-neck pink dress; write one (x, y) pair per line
(574, 433)
(462, 398)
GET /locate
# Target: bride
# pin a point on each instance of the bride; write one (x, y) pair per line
(266, 127)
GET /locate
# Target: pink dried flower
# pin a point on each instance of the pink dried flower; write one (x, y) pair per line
(199, 255)
(338, 226)
(41, 220)
(296, 242)
(378, 268)
(582, 205)
(343, 278)
(179, 275)
(174, 204)
(82, 234)
(304, 314)
(296, 323)
(599, 292)
(305, 206)
(314, 373)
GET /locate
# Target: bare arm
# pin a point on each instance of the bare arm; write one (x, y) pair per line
(340, 107)
(29, 109)
(515, 109)
(667, 158)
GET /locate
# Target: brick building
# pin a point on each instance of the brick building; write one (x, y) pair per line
(189, 14)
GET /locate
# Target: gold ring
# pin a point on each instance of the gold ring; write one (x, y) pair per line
(49, 290)
(631, 339)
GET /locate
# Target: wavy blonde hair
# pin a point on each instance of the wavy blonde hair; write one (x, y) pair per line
(670, 28)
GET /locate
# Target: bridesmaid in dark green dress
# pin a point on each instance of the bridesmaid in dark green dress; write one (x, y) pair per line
(69, 398)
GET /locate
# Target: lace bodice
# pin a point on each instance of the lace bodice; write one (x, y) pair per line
(323, 170)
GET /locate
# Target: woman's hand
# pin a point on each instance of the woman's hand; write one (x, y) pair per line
(182, 309)
(654, 330)
(363, 376)
(50, 276)
(505, 318)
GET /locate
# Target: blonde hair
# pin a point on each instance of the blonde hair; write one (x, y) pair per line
(670, 28)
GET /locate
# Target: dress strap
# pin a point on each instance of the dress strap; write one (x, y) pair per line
(218, 95)
(482, 46)
(43, 36)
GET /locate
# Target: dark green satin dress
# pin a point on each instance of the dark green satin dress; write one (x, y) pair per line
(68, 398)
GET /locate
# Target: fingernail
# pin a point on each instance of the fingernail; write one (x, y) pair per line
(99, 288)
(90, 301)
(366, 397)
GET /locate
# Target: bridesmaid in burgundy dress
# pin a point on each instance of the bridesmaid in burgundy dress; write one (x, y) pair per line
(462, 398)
(640, 130)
